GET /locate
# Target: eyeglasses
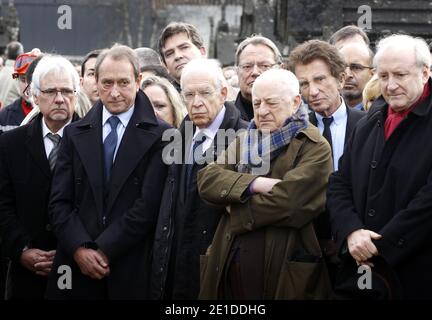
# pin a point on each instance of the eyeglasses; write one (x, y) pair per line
(189, 96)
(247, 67)
(355, 67)
(52, 93)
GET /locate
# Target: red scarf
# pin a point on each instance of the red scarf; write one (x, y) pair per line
(394, 118)
(27, 107)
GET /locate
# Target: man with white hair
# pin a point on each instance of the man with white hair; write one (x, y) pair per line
(380, 200)
(265, 245)
(28, 158)
(186, 224)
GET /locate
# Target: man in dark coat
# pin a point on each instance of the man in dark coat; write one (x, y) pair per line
(380, 200)
(320, 70)
(106, 197)
(27, 160)
(186, 224)
(254, 55)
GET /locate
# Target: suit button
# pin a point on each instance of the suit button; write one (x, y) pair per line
(204, 232)
(48, 227)
(371, 213)
(223, 193)
(165, 228)
(136, 181)
(228, 236)
(374, 164)
(401, 242)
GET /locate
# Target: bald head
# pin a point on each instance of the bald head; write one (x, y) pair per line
(274, 104)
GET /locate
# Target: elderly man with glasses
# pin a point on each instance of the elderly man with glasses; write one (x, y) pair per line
(28, 156)
(186, 223)
(254, 55)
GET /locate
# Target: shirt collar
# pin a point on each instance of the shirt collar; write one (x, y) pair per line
(124, 117)
(211, 130)
(46, 130)
(338, 116)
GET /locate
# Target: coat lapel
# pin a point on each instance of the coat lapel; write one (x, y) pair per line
(36, 146)
(88, 144)
(138, 138)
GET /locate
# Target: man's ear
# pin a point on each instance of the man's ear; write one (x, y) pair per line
(224, 93)
(341, 81)
(138, 81)
(203, 51)
(425, 74)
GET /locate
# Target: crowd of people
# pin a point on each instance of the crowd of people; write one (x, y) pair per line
(328, 171)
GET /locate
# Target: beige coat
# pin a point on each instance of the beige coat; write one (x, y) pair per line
(286, 213)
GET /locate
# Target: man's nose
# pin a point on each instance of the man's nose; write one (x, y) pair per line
(115, 92)
(59, 97)
(313, 90)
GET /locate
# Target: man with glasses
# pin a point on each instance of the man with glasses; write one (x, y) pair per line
(12, 115)
(106, 197)
(28, 157)
(254, 55)
(358, 58)
(186, 224)
(320, 70)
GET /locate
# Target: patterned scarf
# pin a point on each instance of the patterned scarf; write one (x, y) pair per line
(260, 147)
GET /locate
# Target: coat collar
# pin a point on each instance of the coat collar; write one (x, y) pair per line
(138, 138)
(35, 143)
(36, 146)
(380, 106)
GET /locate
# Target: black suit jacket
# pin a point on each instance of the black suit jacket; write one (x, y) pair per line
(25, 181)
(322, 223)
(119, 218)
(186, 224)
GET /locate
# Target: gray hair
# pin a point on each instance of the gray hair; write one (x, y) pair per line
(53, 64)
(400, 41)
(255, 40)
(210, 66)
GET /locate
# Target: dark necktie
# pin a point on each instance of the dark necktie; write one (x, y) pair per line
(197, 151)
(327, 132)
(110, 145)
(52, 157)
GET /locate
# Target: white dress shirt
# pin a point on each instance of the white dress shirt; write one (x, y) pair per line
(338, 131)
(121, 127)
(210, 133)
(49, 145)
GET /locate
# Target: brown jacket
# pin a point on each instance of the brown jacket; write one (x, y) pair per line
(286, 213)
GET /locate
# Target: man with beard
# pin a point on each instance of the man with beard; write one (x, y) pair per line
(358, 71)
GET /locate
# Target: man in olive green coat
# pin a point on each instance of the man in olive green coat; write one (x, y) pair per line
(272, 182)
